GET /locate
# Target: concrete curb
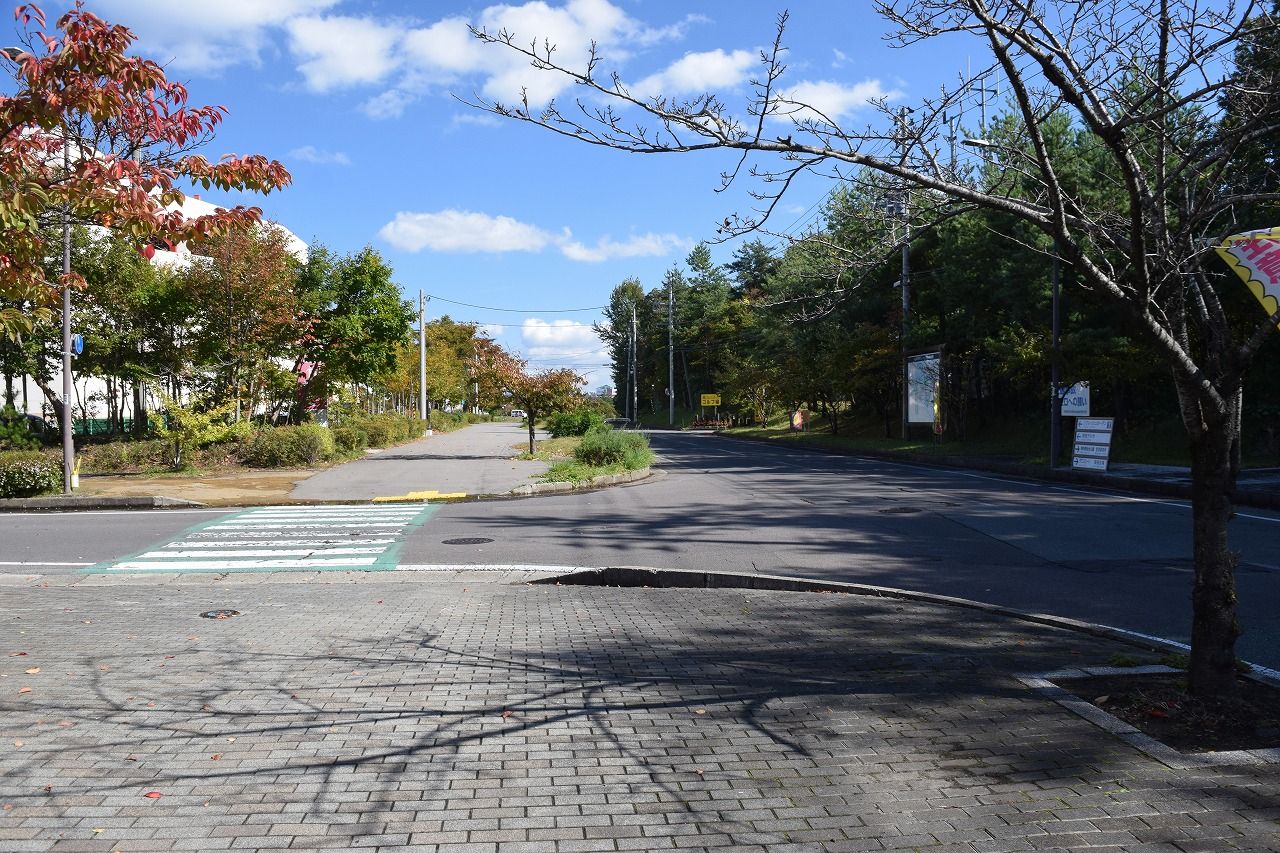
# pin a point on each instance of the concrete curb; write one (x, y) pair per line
(630, 576)
(587, 485)
(1241, 497)
(78, 502)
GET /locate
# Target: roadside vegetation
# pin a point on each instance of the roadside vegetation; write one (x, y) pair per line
(583, 446)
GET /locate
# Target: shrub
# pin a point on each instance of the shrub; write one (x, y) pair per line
(117, 456)
(386, 429)
(288, 446)
(629, 449)
(576, 422)
(15, 433)
(349, 439)
(25, 473)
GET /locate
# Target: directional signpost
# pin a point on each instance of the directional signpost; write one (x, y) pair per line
(1092, 448)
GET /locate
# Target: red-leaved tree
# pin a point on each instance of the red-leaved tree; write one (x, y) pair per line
(538, 393)
(99, 137)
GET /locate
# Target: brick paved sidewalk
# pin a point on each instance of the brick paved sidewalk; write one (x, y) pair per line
(409, 712)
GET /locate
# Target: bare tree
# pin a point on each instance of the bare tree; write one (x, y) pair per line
(1146, 82)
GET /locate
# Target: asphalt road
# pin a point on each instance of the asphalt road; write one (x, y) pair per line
(721, 504)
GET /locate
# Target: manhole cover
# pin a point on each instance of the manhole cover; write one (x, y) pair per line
(219, 614)
(899, 510)
(467, 540)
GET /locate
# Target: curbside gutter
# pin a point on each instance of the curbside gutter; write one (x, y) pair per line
(586, 485)
(1241, 497)
(77, 502)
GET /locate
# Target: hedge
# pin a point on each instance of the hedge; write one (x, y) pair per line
(26, 473)
(288, 446)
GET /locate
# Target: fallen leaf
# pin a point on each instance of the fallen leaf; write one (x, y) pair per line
(700, 711)
(65, 724)
(193, 637)
(48, 789)
(104, 668)
(506, 713)
(131, 758)
(1102, 700)
(86, 621)
(18, 655)
(168, 657)
(153, 795)
(32, 671)
(24, 690)
(231, 740)
(7, 807)
(17, 743)
(98, 829)
(217, 756)
(1158, 712)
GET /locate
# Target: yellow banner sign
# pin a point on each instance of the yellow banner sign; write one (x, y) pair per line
(710, 399)
(1255, 256)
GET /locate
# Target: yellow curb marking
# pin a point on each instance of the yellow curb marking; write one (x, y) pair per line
(430, 495)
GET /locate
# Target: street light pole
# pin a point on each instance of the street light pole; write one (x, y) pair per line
(635, 368)
(1055, 366)
(1055, 375)
(671, 354)
(422, 357)
(68, 425)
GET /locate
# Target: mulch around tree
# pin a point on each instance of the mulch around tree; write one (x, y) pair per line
(1159, 705)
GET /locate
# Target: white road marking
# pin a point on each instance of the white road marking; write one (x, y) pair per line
(178, 565)
(270, 552)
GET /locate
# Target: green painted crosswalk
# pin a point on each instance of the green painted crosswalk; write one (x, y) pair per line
(285, 538)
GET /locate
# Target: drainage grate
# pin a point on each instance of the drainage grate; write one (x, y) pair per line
(219, 614)
(899, 510)
(467, 540)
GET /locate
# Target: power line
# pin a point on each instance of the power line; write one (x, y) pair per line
(521, 310)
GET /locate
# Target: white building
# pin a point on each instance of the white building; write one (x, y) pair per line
(90, 390)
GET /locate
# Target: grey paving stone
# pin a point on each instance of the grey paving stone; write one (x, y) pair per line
(481, 717)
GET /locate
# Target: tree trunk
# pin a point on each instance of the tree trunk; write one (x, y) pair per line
(1213, 628)
(139, 409)
(529, 415)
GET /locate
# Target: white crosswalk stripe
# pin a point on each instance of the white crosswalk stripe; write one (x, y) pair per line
(285, 538)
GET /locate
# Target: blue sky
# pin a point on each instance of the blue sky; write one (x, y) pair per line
(360, 101)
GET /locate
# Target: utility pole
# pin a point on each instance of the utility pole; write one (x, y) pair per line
(905, 281)
(1055, 376)
(422, 357)
(671, 353)
(68, 424)
(635, 368)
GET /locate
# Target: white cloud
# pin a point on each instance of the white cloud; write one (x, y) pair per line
(467, 232)
(482, 119)
(835, 101)
(390, 104)
(463, 231)
(638, 246)
(695, 73)
(840, 58)
(311, 154)
(562, 343)
(339, 51)
(206, 36)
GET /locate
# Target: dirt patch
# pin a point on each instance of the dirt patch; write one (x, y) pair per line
(221, 488)
(1159, 705)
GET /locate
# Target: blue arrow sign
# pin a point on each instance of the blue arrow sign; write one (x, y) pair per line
(77, 344)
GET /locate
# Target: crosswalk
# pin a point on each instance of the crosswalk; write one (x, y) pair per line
(285, 538)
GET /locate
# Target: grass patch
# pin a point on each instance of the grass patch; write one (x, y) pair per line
(551, 449)
(573, 471)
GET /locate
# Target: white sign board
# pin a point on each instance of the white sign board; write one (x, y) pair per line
(1075, 400)
(922, 387)
(1092, 449)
